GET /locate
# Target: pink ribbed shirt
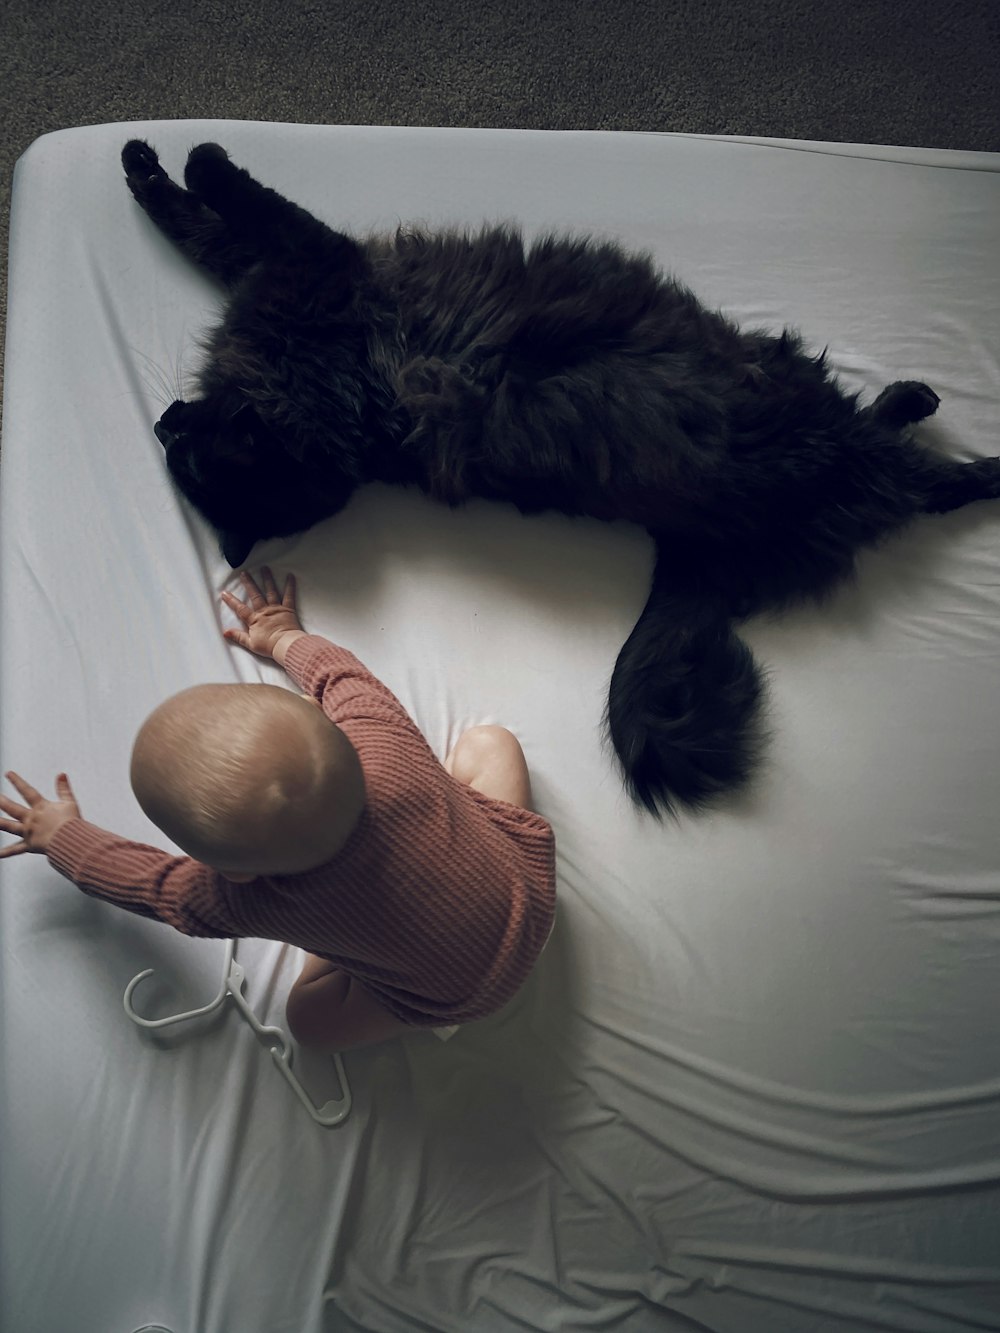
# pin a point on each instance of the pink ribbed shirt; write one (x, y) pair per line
(439, 902)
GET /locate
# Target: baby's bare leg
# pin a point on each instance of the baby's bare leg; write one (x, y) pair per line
(490, 760)
(327, 1010)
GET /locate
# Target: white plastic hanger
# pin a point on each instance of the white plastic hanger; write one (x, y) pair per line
(333, 1112)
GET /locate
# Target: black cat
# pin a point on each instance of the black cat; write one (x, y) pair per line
(566, 374)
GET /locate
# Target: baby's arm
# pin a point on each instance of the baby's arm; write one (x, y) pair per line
(333, 676)
(140, 879)
(145, 880)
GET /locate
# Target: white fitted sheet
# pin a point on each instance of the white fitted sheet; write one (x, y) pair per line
(754, 1082)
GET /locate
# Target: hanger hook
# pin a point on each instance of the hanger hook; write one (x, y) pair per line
(189, 1013)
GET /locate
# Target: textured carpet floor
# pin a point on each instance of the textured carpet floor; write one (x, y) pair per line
(922, 72)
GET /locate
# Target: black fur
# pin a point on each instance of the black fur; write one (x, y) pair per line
(566, 374)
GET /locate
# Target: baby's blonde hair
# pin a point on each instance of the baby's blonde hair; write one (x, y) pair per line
(251, 779)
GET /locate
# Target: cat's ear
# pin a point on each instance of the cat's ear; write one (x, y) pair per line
(235, 546)
(239, 450)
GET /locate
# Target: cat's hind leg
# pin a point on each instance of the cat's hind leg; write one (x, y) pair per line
(949, 485)
(942, 484)
(248, 207)
(195, 229)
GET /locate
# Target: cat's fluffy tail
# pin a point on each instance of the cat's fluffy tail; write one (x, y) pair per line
(684, 709)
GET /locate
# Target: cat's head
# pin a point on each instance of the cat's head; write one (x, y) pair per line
(241, 474)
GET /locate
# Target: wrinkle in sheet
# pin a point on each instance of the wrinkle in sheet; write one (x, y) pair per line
(861, 1311)
(367, 1311)
(503, 1270)
(757, 1089)
(935, 880)
(958, 905)
(800, 1162)
(926, 1305)
(43, 606)
(839, 1265)
(712, 1244)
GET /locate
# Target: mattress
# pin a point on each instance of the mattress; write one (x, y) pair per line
(754, 1081)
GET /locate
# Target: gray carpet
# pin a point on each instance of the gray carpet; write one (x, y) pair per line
(920, 72)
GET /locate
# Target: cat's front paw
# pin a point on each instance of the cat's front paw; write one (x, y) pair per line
(905, 402)
(203, 166)
(916, 399)
(141, 164)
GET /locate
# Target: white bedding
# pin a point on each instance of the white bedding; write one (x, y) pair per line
(754, 1083)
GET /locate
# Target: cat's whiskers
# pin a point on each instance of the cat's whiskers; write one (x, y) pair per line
(153, 377)
(179, 374)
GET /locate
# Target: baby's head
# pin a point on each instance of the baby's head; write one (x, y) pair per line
(250, 779)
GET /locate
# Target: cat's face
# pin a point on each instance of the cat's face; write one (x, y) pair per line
(240, 475)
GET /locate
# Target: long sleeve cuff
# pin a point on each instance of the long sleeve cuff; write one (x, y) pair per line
(75, 844)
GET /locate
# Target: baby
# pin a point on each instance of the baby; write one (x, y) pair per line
(422, 892)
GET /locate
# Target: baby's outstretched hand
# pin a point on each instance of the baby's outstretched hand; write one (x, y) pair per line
(36, 823)
(267, 616)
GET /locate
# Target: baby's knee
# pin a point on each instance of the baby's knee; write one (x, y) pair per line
(301, 1019)
(488, 738)
(336, 1013)
(481, 747)
(490, 759)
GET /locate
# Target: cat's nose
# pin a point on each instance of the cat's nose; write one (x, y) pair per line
(164, 435)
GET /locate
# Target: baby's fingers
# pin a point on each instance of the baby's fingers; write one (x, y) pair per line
(25, 788)
(257, 598)
(287, 596)
(12, 808)
(236, 606)
(237, 636)
(270, 587)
